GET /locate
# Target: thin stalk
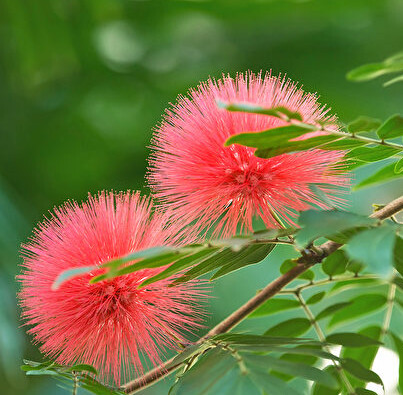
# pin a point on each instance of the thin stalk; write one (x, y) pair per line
(326, 281)
(389, 309)
(367, 140)
(322, 338)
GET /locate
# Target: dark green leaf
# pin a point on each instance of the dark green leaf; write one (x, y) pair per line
(181, 264)
(391, 128)
(355, 282)
(288, 264)
(209, 369)
(290, 328)
(363, 124)
(331, 309)
(324, 223)
(385, 174)
(365, 355)
(361, 305)
(274, 306)
(398, 255)
(319, 389)
(293, 368)
(278, 111)
(316, 298)
(251, 255)
(363, 391)
(335, 263)
(374, 247)
(295, 146)
(258, 340)
(356, 369)
(347, 339)
(372, 154)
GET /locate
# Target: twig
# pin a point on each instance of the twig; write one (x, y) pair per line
(304, 263)
(322, 338)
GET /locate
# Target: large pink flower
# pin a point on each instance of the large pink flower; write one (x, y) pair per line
(111, 324)
(201, 180)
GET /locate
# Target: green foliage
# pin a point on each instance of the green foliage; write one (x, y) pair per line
(393, 64)
(76, 376)
(375, 247)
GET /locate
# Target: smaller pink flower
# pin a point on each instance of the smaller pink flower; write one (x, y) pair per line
(112, 324)
(201, 181)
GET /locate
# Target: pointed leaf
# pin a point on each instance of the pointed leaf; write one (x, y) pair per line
(290, 328)
(374, 247)
(361, 305)
(274, 306)
(348, 339)
(331, 309)
(385, 174)
(391, 128)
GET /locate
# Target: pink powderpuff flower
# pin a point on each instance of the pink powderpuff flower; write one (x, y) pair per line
(112, 324)
(199, 179)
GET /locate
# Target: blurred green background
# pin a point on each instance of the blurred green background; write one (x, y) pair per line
(82, 83)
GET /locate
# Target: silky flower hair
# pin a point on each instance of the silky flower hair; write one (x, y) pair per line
(110, 324)
(202, 181)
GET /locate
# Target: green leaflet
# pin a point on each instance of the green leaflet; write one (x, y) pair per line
(375, 248)
(274, 305)
(360, 305)
(290, 328)
(365, 355)
(348, 339)
(385, 174)
(324, 223)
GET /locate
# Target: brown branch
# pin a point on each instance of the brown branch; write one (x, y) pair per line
(307, 260)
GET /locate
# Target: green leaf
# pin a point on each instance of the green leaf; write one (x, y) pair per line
(387, 173)
(348, 339)
(394, 80)
(209, 369)
(391, 128)
(290, 328)
(374, 247)
(331, 309)
(275, 137)
(70, 274)
(398, 255)
(288, 264)
(368, 72)
(359, 371)
(398, 343)
(355, 282)
(293, 368)
(274, 306)
(315, 224)
(398, 166)
(319, 389)
(363, 124)
(181, 264)
(259, 340)
(372, 154)
(363, 391)
(316, 298)
(335, 263)
(365, 355)
(298, 145)
(360, 305)
(249, 256)
(278, 111)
